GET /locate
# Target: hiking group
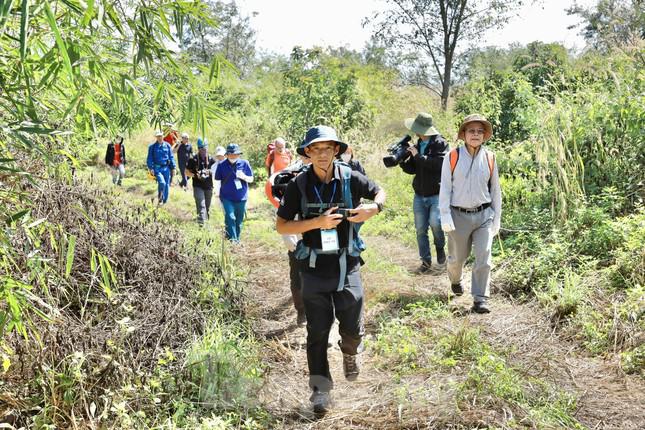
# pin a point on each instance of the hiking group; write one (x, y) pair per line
(226, 175)
(322, 200)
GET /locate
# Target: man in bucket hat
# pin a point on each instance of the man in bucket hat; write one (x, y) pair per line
(325, 199)
(470, 202)
(236, 175)
(161, 164)
(424, 162)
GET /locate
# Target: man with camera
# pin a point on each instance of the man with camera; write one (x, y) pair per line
(325, 199)
(199, 167)
(424, 161)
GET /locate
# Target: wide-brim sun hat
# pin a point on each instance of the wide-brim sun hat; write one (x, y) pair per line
(233, 148)
(185, 135)
(220, 150)
(158, 133)
(202, 143)
(422, 124)
(321, 133)
(488, 128)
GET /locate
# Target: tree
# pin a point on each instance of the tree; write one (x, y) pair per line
(432, 30)
(230, 35)
(612, 23)
(319, 88)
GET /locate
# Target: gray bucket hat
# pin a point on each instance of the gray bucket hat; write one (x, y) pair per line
(320, 133)
(475, 117)
(422, 124)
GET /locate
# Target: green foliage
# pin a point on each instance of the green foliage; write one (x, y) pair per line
(563, 297)
(506, 99)
(634, 361)
(543, 64)
(319, 89)
(225, 368)
(611, 23)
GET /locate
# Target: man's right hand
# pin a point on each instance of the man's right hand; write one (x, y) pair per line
(448, 227)
(328, 219)
(413, 150)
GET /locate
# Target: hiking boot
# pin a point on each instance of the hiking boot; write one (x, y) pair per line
(480, 308)
(351, 366)
(457, 289)
(441, 256)
(301, 319)
(424, 268)
(321, 401)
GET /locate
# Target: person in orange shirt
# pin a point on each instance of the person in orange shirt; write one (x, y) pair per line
(278, 158)
(115, 158)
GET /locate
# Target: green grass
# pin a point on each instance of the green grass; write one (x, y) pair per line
(425, 340)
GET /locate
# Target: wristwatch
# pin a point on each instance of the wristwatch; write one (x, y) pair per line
(380, 207)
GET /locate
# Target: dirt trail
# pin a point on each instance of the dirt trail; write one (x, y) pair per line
(607, 397)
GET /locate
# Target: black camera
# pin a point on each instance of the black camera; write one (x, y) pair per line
(344, 212)
(398, 152)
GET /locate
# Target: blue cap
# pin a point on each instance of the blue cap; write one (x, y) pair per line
(202, 143)
(233, 148)
(320, 133)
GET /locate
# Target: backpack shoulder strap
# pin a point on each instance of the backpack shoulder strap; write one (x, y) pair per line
(490, 157)
(346, 180)
(454, 157)
(301, 182)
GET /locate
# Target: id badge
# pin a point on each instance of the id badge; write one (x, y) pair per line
(329, 240)
(238, 184)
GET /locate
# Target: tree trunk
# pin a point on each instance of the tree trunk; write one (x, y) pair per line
(445, 89)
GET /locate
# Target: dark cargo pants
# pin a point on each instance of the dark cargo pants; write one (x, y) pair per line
(322, 302)
(296, 283)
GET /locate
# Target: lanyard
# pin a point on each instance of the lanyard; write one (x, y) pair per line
(322, 187)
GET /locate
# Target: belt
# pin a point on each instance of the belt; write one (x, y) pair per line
(472, 210)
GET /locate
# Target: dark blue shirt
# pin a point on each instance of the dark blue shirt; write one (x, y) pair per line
(226, 173)
(160, 155)
(184, 152)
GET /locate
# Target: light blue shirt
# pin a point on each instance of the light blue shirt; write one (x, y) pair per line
(467, 187)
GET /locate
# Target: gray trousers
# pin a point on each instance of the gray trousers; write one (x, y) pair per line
(202, 203)
(472, 230)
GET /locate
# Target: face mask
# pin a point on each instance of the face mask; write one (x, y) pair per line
(345, 157)
(232, 160)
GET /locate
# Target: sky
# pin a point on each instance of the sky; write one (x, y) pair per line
(282, 24)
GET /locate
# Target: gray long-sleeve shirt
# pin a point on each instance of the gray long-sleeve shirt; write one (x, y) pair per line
(467, 187)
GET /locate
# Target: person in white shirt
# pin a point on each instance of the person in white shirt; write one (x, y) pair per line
(470, 204)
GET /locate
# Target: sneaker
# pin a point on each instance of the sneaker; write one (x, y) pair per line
(351, 366)
(424, 268)
(480, 308)
(457, 289)
(301, 319)
(441, 256)
(321, 401)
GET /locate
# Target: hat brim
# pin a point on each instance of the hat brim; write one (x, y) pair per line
(488, 129)
(411, 125)
(234, 153)
(301, 149)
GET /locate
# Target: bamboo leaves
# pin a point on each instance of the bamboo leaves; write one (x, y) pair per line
(24, 29)
(60, 43)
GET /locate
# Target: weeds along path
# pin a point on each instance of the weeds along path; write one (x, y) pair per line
(433, 397)
(423, 368)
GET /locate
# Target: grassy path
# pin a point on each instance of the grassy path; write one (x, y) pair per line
(428, 363)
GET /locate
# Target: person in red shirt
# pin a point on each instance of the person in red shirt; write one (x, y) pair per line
(115, 158)
(278, 158)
